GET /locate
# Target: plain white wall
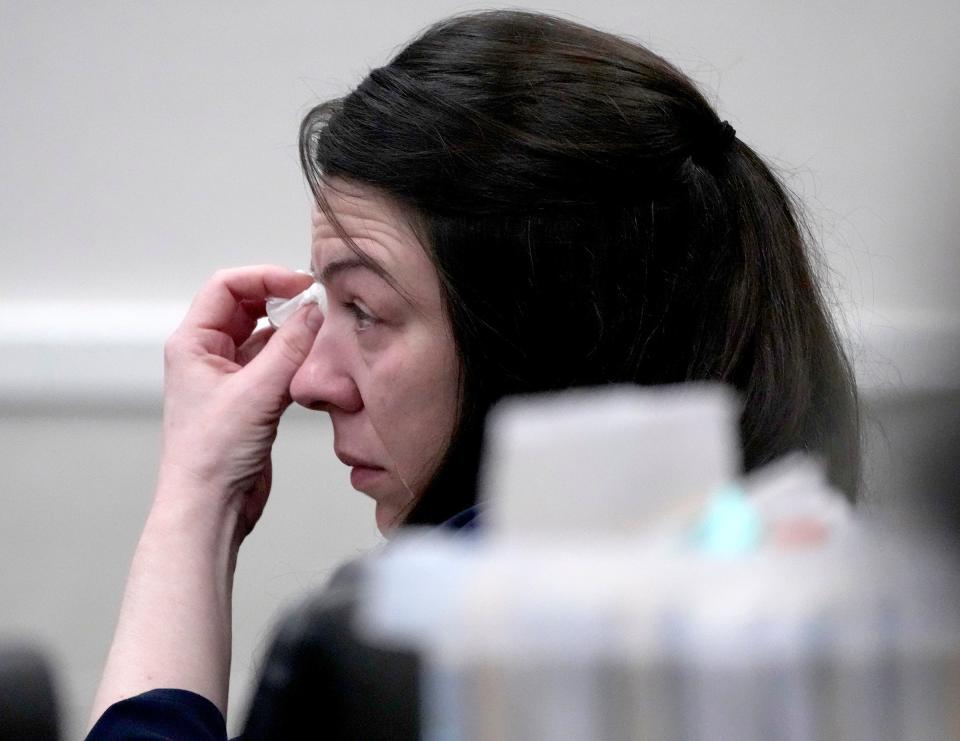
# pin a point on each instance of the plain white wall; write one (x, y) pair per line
(158, 139)
(145, 144)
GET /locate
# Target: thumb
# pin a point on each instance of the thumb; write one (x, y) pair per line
(287, 349)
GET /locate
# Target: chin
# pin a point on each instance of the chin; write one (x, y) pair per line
(389, 519)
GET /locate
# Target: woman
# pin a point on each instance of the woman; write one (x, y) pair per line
(515, 203)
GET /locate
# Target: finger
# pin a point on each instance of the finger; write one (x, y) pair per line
(215, 305)
(288, 348)
(226, 341)
(252, 347)
(209, 344)
(244, 320)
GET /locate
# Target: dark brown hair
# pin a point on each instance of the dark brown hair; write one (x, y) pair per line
(592, 221)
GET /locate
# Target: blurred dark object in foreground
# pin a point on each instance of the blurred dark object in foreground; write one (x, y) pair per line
(320, 677)
(28, 704)
(912, 471)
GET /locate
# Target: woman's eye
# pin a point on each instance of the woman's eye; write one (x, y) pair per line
(363, 319)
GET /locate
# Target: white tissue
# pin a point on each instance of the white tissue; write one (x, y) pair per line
(281, 309)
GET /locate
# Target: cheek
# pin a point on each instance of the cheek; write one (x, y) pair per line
(405, 391)
(411, 399)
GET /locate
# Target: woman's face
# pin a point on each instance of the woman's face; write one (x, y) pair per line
(383, 365)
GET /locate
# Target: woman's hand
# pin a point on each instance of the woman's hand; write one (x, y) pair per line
(225, 389)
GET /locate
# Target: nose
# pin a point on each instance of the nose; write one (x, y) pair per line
(324, 382)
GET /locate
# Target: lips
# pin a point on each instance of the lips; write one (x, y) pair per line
(364, 475)
(354, 461)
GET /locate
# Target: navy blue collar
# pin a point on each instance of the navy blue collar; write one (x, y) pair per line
(466, 521)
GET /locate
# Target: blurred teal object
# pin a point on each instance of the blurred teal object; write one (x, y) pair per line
(730, 525)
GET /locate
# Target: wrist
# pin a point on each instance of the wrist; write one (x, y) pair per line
(205, 513)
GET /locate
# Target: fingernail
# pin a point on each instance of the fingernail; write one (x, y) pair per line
(314, 317)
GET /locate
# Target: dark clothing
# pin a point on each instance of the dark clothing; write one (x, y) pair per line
(161, 714)
(318, 679)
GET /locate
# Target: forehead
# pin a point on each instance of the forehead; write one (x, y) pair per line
(377, 225)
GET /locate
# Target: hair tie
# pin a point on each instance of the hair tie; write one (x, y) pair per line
(709, 150)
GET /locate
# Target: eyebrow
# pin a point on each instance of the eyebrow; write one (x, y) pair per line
(359, 259)
(334, 268)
